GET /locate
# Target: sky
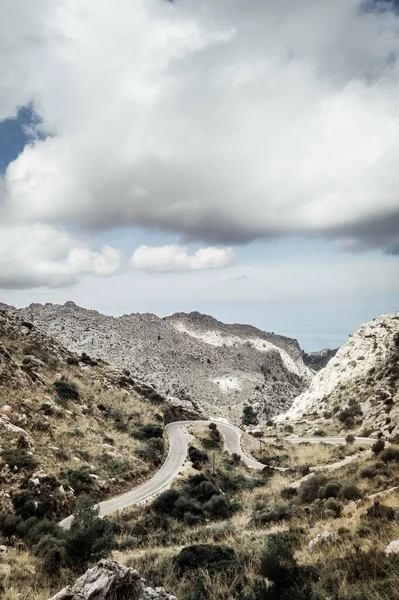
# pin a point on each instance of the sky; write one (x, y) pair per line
(235, 158)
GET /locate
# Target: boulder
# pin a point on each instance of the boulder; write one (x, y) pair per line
(322, 538)
(392, 548)
(109, 580)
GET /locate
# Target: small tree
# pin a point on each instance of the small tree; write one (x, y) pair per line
(378, 446)
(249, 416)
(89, 538)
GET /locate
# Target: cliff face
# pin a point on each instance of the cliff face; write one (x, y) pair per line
(359, 388)
(192, 357)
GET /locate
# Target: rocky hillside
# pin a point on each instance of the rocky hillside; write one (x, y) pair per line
(212, 367)
(69, 424)
(359, 389)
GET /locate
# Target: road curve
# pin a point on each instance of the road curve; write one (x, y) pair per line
(178, 446)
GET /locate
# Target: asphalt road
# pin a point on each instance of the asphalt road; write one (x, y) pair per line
(178, 446)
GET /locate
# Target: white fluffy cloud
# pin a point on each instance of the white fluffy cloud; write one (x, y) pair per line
(222, 121)
(40, 256)
(167, 258)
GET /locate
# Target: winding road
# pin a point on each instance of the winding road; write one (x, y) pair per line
(178, 445)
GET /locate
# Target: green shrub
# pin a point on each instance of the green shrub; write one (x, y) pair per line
(249, 416)
(89, 538)
(264, 515)
(78, 479)
(164, 503)
(332, 489)
(390, 454)
(214, 439)
(309, 489)
(196, 456)
(148, 431)
(351, 492)
(378, 446)
(153, 452)
(213, 558)
(52, 552)
(72, 360)
(67, 390)
(218, 506)
(19, 459)
(9, 524)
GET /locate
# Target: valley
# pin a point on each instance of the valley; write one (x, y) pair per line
(203, 505)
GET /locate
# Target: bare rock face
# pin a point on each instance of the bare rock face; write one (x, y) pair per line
(212, 367)
(359, 388)
(109, 580)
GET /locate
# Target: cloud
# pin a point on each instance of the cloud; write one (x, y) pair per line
(42, 256)
(167, 258)
(221, 121)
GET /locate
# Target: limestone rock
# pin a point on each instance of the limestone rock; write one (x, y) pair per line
(107, 580)
(103, 582)
(392, 548)
(320, 539)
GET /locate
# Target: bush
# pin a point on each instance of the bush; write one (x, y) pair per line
(67, 390)
(368, 472)
(79, 479)
(380, 511)
(264, 515)
(19, 459)
(9, 524)
(196, 456)
(350, 439)
(87, 360)
(351, 492)
(214, 440)
(153, 452)
(332, 489)
(213, 558)
(52, 552)
(309, 489)
(89, 538)
(165, 502)
(148, 431)
(249, 416)
(278, 562)
(279, 565)
(72, 360)
(218, 506)
(390, 454)
(378, 446)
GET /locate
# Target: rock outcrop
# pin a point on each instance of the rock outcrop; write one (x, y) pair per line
(359, 388)
(213, 367)
(109, 580)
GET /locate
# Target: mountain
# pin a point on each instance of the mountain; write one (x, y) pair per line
(320, 359)
(211, 367)
(358, 390)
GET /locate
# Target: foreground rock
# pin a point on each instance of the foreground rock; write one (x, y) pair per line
(109, 580)
(212, 367)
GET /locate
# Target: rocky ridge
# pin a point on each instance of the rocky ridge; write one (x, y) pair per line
(359, 388)
(193, 359)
